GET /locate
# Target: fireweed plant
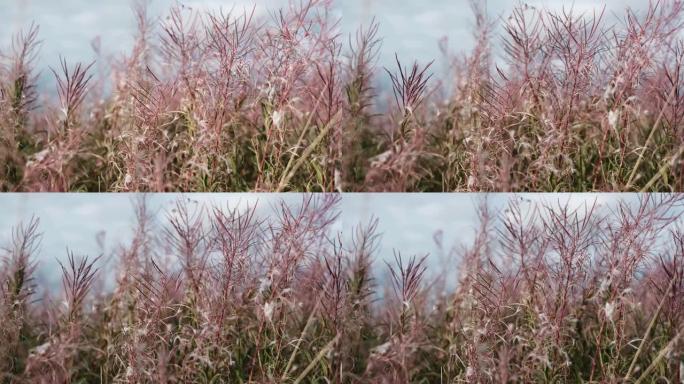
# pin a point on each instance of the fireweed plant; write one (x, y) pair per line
(545, 292)
(231, 101)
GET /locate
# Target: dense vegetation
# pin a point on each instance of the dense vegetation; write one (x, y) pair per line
(543, 293)
(229, 101)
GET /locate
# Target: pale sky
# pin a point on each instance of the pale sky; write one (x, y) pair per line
(409, 27)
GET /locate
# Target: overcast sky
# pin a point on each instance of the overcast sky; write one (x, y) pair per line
(407, 222)
(409, 27)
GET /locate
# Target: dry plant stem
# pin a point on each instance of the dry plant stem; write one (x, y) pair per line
(632, 175)
(663, 352)
(652, 324)
(309, 322)
(301, 138)
(662, 170)
(328, 347)
(307, 152)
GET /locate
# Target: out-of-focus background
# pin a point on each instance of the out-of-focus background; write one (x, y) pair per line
(410, 28)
